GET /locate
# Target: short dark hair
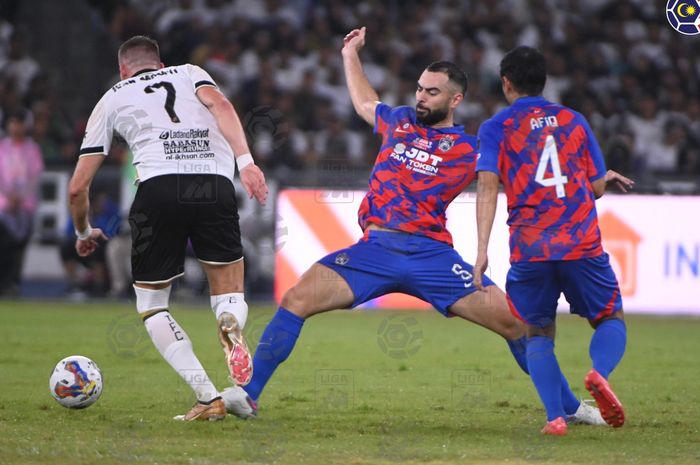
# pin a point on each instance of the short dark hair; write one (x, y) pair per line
(142, 44)
(526, 68)
(454, 73)
(18, 114)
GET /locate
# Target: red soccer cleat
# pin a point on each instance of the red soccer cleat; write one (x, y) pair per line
(238, 357)
(610, 407)
(556, 427)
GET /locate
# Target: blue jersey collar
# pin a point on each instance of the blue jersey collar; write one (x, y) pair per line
(529, 100)
(456, 129)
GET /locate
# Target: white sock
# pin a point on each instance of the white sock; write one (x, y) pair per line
(233, 303)
(176, 348)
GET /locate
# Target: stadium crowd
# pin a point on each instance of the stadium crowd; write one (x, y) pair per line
(617, 62)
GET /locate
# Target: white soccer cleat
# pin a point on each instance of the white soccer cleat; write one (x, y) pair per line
(239, 403)
(586, 414)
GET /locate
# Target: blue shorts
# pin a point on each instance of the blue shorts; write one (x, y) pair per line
(386, 262)
(589, 285)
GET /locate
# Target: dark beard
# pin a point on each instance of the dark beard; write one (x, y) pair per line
(432, 117)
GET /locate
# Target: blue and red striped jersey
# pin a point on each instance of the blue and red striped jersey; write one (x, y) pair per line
(419, 171)
(546, 156)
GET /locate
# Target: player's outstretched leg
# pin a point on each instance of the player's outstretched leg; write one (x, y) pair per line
(491, 310)
(176, 348)
(319, 289)
(606, 350)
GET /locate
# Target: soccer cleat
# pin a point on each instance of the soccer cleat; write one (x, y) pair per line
(239, 403)
(238, 358)
(556, 427)
(586, 414)
(610, 407)
(213, 410)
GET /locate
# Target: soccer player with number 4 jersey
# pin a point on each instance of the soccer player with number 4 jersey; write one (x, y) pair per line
(552, 170)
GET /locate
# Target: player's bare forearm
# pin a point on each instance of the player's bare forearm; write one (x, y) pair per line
(486, 201)
(230, 125)
(79, 189)
(79, 206)
(364, 97)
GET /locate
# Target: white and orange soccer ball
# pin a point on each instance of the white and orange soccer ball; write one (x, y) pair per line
(76, 382)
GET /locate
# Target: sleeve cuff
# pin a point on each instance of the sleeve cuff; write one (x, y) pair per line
(92, 150)
(199, 84)
(596, 177)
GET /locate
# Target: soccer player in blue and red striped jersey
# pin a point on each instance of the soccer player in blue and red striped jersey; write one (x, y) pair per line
(425, 161)
(552, 170)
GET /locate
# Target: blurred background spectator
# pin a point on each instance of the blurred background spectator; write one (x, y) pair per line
(20, 169)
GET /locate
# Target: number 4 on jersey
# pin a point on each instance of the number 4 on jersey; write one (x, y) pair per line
(550, 155)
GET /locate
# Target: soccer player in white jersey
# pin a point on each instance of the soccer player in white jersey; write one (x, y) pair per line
(184, 134)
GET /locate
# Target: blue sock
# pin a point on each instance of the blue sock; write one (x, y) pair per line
(608, 346)
(519, 349)
(275, 345)
(546, 375)
(568, 399)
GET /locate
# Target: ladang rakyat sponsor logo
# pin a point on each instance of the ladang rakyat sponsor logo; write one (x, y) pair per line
(188, 134)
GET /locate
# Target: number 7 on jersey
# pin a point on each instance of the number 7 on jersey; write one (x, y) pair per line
(550, 155)
(169, 99)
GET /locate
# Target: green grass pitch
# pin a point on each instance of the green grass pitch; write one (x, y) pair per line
(360, 388)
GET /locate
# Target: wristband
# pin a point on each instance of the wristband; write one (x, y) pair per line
(244, 160)
(85, 234)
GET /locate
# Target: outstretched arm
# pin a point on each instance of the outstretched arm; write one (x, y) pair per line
(230, 125)
(486, 199)
(364, 98)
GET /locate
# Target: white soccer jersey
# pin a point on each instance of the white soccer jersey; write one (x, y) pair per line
(167, 127)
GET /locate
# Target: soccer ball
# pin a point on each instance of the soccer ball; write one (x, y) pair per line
(76, 382)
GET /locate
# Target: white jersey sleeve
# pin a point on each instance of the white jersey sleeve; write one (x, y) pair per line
(199, 77)
(98, 133)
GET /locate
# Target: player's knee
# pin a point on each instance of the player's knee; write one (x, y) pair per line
(150, 300)
(297, 300)
(514, 329)
(618, 315)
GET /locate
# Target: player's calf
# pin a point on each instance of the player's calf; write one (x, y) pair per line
(172, 341)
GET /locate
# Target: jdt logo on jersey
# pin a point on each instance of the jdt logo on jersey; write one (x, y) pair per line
(684, 16)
